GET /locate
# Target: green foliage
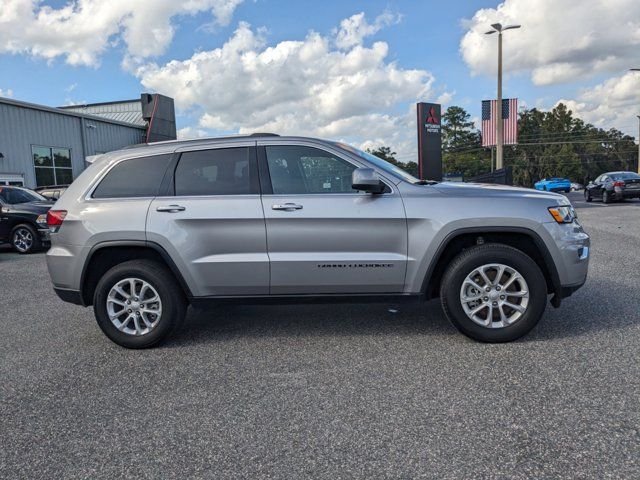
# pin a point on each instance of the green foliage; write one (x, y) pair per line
(385, 153)
(551, 144)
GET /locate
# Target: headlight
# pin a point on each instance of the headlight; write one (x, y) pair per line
(41, 220)
(564, 214)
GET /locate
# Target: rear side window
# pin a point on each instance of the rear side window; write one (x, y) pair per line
(138, 177)
(222, 171)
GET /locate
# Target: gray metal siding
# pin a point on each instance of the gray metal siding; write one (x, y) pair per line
(22, 127)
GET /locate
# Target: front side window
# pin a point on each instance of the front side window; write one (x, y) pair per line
(221, 171)
(52, 165)
(301, 170)
(136, 177)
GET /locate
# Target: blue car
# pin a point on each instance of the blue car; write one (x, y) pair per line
(554, 185)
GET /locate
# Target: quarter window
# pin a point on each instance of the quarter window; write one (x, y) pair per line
(300, 170)
(52, 165)
(221, 171)
(137, 177)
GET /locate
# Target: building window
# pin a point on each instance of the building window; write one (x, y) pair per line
(52, 165)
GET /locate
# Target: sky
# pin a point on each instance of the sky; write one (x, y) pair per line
(344, 70)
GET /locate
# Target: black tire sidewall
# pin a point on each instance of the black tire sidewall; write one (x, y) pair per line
(173, 303)
(587, 196)
(475, 257)
(35, 246)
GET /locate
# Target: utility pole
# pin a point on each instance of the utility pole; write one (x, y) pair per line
(637, 70)
(497, 27)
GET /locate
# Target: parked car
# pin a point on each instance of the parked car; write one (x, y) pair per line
(52, 192)
(23, 219)
(613, 186)
(553, 185)
(145, 231)
(575, 186)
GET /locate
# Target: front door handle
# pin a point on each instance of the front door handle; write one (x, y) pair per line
(171, 208)
(289, 207)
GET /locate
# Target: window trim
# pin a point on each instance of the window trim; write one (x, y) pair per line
(53, 167)
(265, 175)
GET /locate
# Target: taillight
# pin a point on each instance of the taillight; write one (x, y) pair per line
(618, 184)
(55, 218)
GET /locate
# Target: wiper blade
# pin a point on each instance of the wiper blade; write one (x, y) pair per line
(425, 182)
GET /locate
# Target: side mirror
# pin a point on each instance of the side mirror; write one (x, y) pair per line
(366, 180)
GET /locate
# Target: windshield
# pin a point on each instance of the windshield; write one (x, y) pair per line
(625, 176)
(14, 196)
(378, 162)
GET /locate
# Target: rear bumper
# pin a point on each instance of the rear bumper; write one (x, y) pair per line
(69, 296)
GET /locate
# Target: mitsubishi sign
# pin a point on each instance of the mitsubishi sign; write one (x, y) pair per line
(429, 141)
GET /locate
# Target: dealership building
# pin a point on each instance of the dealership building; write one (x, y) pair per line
(42, 146)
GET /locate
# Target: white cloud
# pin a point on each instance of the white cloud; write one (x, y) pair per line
(305, 87)
(187, 133)
(560, 40)
(355, 29)
(81, 30)
(8, 93)
(613, 103)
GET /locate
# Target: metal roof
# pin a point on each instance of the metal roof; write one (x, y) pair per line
(127, 111)
(69, 112)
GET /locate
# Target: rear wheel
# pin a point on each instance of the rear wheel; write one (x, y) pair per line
(138, 304)
(493, 293)
(25, 239)
(606, 197)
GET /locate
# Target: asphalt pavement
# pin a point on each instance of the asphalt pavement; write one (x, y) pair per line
(329, 391)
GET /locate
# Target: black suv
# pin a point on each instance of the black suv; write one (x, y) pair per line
(23, 220)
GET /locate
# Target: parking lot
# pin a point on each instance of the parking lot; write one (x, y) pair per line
(329, 391)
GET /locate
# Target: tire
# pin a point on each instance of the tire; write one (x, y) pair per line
(485, 255)
(172, 304)
(25, 239)
(606, 197)
(587, 196)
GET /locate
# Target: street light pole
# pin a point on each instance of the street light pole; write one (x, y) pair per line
(499, 123)
(638, 70)
(497, 27)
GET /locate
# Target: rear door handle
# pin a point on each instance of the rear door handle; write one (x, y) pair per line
(171, 208)
(286, 206)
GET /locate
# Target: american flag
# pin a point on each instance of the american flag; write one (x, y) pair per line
(509, 119)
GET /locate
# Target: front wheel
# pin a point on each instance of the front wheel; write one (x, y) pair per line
(493, 293)
(139, 304)
(587, 196)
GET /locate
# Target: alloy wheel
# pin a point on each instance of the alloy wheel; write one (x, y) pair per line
(22, 240)
(494, 295)
(134, 306)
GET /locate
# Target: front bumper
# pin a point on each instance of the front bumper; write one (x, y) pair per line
(573, 250)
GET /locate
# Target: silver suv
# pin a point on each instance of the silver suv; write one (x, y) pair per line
(145, 231)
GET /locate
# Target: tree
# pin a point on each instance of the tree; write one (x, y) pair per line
(386, 154)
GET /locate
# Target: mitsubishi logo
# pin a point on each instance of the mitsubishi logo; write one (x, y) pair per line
(432, 118)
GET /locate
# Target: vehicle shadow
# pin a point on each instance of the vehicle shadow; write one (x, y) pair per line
(597, 307)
